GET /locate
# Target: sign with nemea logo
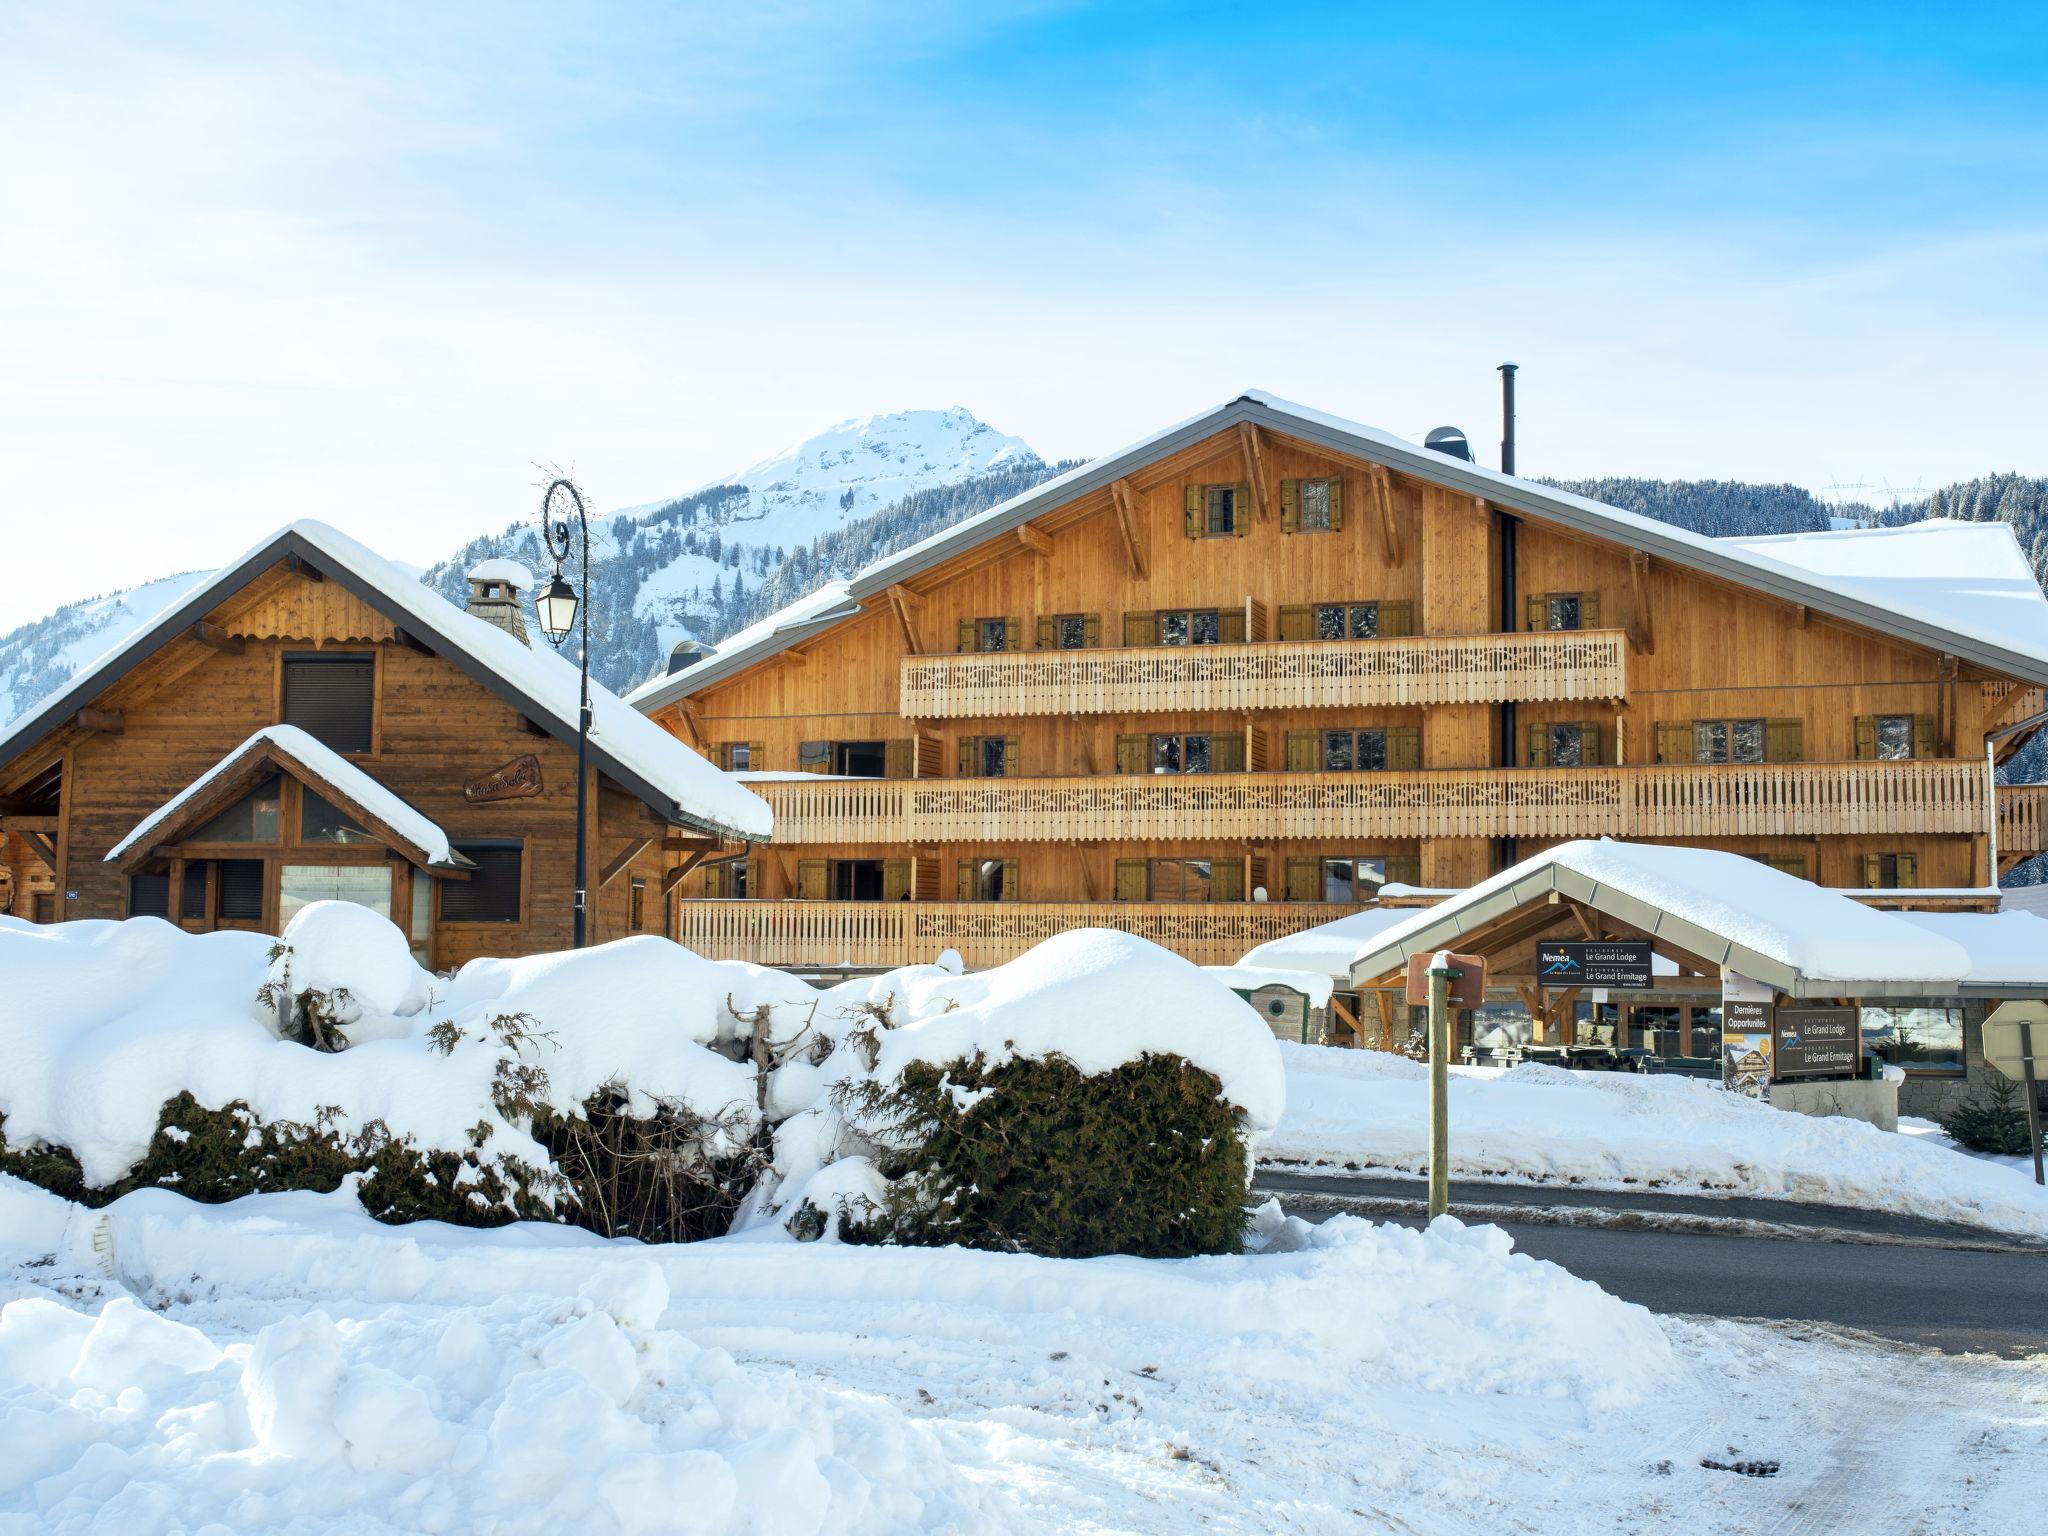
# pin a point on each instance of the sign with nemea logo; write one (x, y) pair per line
(1610, 963)
(1818, 1042)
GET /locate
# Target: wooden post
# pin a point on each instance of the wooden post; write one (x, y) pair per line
(1440, 974)
(2033, 1101)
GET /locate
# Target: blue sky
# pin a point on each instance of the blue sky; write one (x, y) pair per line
(267, 261)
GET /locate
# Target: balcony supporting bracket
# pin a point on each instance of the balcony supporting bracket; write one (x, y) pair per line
(1130, 525)
(909, 608)
(1640, 634)
(1255, 468)
(1383, 498)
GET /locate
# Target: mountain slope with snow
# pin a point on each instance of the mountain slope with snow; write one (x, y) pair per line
(43, 655)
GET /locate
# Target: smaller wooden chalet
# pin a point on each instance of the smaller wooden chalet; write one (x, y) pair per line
(311, 724)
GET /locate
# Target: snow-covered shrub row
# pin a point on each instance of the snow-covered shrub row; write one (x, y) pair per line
(638, 1089)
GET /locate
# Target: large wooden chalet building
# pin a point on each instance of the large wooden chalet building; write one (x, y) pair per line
(1221, 685)
(312, 722)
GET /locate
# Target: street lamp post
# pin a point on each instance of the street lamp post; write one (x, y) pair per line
(557, 609)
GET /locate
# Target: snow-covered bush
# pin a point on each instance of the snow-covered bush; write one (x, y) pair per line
(338, 972)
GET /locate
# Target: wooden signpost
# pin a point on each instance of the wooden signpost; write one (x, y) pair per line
(2013, 1036)
(1445, 981)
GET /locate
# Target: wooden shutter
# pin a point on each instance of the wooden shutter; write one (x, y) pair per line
(713, 884)
(1535, 611)
(1226, 880)
(1131, 753)
(1191, 520)
(1674, 741)
(1226, 753)
(964, 886)
(1010, 765)
(1303, 755)
(968, 764)
(1257, 753)
(1091, 629)
(895, 879)
(1130, 879)
(1230, 626)
(1404, 746)
(1866, 738)
(1336, 503)
(332, 698)
(1785, 741)
(1013, 633)
(1290, 505)
(970, 637)
(1404, 869)
(1589, 743)
(1141, 628)
(757, 756)
(1397, 619)
(1048, 632)
(1909, 870)
(898, 755)
(1923, 735)
(814, 756)
(1012, 887)
(931, 755)
(1589, 610)
(810, 879)
(1258, 620)
(1539, 745)
(1240, 510)
(1304, 880)
(1297, 621)
(1873, 871)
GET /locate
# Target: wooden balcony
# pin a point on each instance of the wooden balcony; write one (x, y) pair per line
(1731, 800)
(2022, 819)
(1420, 669)
(861, 934)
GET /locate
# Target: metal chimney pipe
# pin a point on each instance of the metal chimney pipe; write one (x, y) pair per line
(1507, 418)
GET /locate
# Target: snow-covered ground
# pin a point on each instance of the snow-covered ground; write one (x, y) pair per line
(283, 1363)
(1369, 1110)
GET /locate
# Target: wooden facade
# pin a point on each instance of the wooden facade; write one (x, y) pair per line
(501, 784)
(1008, 707)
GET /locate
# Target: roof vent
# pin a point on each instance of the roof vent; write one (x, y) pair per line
(683, 655)
(1449, 441)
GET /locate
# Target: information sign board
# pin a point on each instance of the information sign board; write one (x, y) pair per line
(1818, 1042)
(1609, 963)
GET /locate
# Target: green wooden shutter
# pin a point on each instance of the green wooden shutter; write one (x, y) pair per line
(1013, 633)
(1336, 503)
(1241, 510)
(1297, 621)
(968, 764)
(963, 880)
(1674, 741)
(1048, 632)
(1230, 626)
(1010, 768)
(1226, 753)
(1304, 880)
(1141, 628)
(1784, 741)
(1130, 879)
(895, 879)
(714, 881)
(969, 639)
(1290, 507)
(1404, 869)
(1589, 743)
(1191, 520)
(1589, 610)
(1012, 887)
(1873, 871)
(757, 755)
(1404, 746)
(1909, 870)
(1303, 754)
(1091, 629)
(1923, 735)
(810, 879)
(1226, 880)
(1866, 738)
(1396, 619)
(1131, 753)
(898, 755)
(1539, 745)
(1535, 611)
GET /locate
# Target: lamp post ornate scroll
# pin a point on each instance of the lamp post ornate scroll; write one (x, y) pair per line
(557, 609)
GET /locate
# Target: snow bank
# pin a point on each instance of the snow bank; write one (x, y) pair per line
(1614, 1129)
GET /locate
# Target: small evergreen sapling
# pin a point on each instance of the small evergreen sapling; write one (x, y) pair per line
(1997, 1125)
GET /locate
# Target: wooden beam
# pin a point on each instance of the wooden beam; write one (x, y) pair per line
(1255, 463)
(1038, 542)
(686, 711)
(216, 637)
(1130, 525)
(1087, 874)
(45, 847)
(1639, 632)
(300, 567)
(1383, 495)
(108, 721)
(909, 607)
(1383, 1001)
(1349, 1020)
(795, 658)
(1584, 918)
(413, 643)
(635, 846)
(676, 876)
(28, 824)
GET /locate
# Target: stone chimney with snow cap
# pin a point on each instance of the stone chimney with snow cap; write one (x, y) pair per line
(494, 595)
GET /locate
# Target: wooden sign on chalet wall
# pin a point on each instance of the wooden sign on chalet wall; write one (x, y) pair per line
(513, 781)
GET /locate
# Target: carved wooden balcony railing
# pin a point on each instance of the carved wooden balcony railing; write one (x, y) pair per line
(875, 933)
(1419, 669)
(2022, 819)
(1724, 800)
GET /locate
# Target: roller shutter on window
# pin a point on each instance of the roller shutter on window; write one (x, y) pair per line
(240, 896)
(491, 893)
(331, 698)
(149, 895)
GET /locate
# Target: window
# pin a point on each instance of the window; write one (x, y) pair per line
(1068, 631)
(252, 819)
(860, 759)
(1890, 871)
(1345, 751)
(300, 885)
(739, 756)
(636, 905)
(1731, 741)
(491, 893)
(991, 635)
(1564, 744)
(1199, 627)
(1346, 621)
(149, 895)
(1216, 511)
(1351, 879)
(1179, 880)
(1727, 741)
(1185, 626)
(730, 880)
(1561, 610)
(321, 821)
(331, 697)
(1348, 877)
(1180, 752)
(192, 900)
(988, 757)
(240, 892)
(987, 879)
(1928, 1040)
(1358, 750)
(1312, 506)
(1894, 738)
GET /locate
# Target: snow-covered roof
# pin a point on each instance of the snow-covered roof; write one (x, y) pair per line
(2006, 949)
(1315, 985)
(2009, 636)
(1726, 908)
(512, 573)
(329, 771)
(1330, 947)
(625, 744)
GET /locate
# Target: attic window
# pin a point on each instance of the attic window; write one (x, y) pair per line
(331, 697)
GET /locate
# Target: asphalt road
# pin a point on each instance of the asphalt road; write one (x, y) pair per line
(1908, 1284)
